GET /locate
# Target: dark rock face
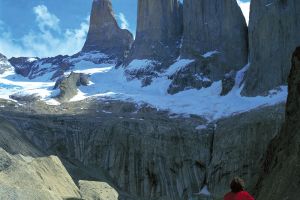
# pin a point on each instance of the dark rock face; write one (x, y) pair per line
(280, 176)
(273, 35)
(228, 83)
(214, 25)
(238, 147)
(159, 30)
(68, 85)
(195, 75)
(104, 34)
(37, 67)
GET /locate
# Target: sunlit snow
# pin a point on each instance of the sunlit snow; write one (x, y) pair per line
(109, 82)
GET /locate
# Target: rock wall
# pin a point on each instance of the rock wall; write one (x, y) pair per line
(280, 175)
(274, 28)
(159, 29)
(151, 158)
(239, 145)
(149, 155)
(104, 33)
(214, 25)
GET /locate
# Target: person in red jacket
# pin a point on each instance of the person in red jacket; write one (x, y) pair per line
(237, 186)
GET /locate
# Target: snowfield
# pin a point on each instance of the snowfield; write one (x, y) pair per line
(110, 82)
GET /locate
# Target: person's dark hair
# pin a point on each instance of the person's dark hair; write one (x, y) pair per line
(237, 184)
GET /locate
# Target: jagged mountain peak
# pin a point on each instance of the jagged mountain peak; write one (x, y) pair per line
(104, 34)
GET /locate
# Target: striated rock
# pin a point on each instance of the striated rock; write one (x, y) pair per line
(239, 144)
(68, 85)
(104, 34)
(214, 25)
(147, 155)
(30, 178)
(159, 30)
(274, 34)
(12, 140)
(280, 175)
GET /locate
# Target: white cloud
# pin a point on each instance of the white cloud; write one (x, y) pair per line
(123, 20)
(245, 6)
(48, 41)
(45, 19)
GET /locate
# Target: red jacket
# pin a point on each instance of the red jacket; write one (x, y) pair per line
(243, 195)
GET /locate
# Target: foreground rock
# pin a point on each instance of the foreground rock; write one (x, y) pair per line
(97, 190)
(30, 178)
(104, 34)
(274, 34)
(281, 172)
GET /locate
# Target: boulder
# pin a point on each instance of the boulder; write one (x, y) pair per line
(104, 34)
(97, 190)
(214, 25)
(273, 35)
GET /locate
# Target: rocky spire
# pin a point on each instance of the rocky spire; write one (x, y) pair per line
(104, 33)
(159, 28)
(215, 25)
(274, 29)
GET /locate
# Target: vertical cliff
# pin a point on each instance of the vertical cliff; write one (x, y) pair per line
(159, 29)
(280, 176)
(104, 33)
(214, 25)
(214, 35)
(274, 28)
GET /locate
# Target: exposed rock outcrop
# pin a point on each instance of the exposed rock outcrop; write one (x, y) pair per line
(4, 64)
(30, 178)
(69, 85)
(159, 30)
(274, 28)
(281, 167)
(214, 25)
(104, 34)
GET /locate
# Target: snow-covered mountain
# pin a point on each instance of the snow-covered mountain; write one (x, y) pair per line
(204, 80)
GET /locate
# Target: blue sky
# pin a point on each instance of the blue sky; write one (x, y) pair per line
(51, 27)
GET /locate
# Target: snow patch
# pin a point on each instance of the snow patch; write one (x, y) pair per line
(141, 64)
(177, 66)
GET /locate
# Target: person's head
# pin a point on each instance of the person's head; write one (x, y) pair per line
(237, 184)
